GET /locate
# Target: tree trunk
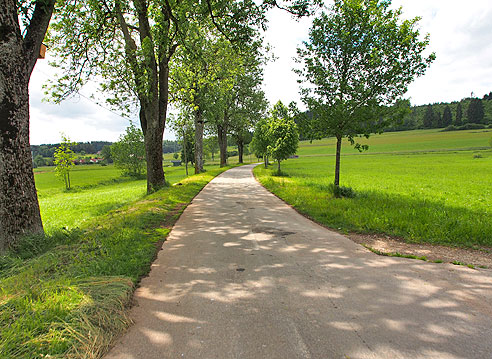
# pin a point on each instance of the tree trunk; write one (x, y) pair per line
(337, 161)
(240, 150)
(153, 133)
(185, 153)
(198, 142)
(222, 137)
(265, 158)
(19, 207)
(278, 170)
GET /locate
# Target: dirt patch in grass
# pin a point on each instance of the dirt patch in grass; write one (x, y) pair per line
(481, 257)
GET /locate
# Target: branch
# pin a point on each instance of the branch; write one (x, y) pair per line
(217, 26)
(36, 31)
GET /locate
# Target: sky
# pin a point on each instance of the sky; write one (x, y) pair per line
(459, 35)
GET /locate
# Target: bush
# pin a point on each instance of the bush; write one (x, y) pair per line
(341, 191)
(468, 126)
(232, 153)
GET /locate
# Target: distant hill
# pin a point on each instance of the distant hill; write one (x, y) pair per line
(48, 150)
(444, 114)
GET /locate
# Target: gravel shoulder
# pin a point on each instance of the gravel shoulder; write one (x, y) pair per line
(481, 258)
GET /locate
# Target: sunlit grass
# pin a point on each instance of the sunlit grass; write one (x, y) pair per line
(443, 197)
(405, 141)
(66, 295)
(96, 190)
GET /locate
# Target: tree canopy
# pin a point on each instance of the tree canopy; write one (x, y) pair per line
(356, 66)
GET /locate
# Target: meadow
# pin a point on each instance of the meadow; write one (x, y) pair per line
(67, 294)
(422, 186)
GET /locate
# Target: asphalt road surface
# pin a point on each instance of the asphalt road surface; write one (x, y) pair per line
(243, 275)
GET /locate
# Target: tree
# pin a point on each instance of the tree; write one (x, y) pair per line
(182, 124)
(239, 100)
(447, 117)
(19, 51)
(39, 161)
(459, 115)
(438, 120)
(429, 117)
(475, 112)
(129, 46)
(358, 62)
(260, 141)
(128, 152)
(211, 145)
(106, 154)
(64, 160)
(283, 136)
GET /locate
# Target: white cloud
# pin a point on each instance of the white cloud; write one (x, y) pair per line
(459, 33)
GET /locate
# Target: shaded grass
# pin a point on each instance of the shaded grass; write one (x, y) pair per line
(67, 297)
(441, 198)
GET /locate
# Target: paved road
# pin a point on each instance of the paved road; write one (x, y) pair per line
(242, 275)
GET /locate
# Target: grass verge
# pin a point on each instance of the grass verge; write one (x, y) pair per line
(67, 295)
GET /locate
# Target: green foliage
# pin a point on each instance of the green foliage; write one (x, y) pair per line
(39, 161)
(128, 153)
(283, 137)
(412, 187)
(459, 115)
(447, 117)
(106, 154)
(260, 141)
(356, 76)
(211, 145)
(64, 157)
(475, 111)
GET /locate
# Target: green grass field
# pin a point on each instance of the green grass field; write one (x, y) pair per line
(66, 295)
(95, 191)
(437, 196)
(406, 141)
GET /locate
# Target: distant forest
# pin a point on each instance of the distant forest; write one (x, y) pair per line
(469, 113)
(93, 147)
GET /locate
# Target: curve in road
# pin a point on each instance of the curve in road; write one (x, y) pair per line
(243, 275)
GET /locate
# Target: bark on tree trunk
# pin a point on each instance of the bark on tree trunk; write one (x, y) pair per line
(278, 166)
(222, 138)
(265, 158)
(19, 207)
(240, 150)
(185, 153)
(153, 131)
(337, 162)
(198, 142)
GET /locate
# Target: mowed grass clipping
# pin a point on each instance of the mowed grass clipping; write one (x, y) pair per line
(66, 296)
(436, 197)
